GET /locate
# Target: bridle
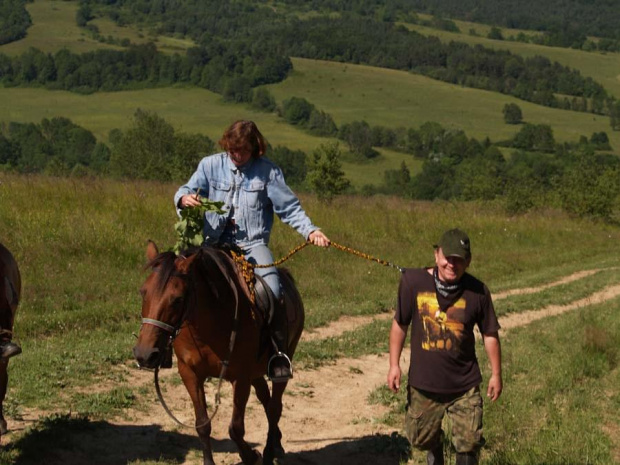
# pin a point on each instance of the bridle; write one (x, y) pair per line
(161, 325)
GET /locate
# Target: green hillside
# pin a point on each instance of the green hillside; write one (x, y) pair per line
(603, 67)
(396, 99)
(54, 27)
(347, 92)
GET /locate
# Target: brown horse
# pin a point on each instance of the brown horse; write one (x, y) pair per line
(201, 302)
(11, 292)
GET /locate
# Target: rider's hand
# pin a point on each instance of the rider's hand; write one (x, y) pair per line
(189, 200)
(318, 238)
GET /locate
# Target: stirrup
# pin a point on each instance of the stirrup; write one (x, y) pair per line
(9, 349)
(279, 379)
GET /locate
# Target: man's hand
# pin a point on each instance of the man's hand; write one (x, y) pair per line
(393, 378)
(494, 390)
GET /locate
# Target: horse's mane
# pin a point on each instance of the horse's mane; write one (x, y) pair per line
(164, 263)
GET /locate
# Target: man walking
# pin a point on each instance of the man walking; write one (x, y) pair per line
(443, 304)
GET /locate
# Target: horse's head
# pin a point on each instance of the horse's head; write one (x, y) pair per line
(164, 306)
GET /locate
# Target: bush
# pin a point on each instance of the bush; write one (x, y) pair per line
(512, 113)
(587, 191)
(262, 100)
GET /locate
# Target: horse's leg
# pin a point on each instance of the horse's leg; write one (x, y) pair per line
(195, 388)
(236, 430)
(262, 391)
(4, 380)
(273, 447)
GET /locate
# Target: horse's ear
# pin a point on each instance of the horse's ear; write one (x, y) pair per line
(184, 264)
(151, 250)
(11, 295)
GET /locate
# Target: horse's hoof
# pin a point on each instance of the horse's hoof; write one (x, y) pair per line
(259, 459)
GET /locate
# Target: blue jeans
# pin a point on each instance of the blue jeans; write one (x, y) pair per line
(261, 255)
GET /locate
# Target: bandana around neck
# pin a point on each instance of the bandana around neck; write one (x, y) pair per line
(443, 288)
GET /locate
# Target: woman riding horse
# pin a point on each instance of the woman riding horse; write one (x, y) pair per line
(252, 189)
(200, 302)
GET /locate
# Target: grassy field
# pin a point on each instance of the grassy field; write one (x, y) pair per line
(53, 27)
(396, 99)
(602, 67)
(347, 92)
(80, 245)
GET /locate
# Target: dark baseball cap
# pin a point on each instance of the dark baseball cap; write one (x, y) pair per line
(455, 243)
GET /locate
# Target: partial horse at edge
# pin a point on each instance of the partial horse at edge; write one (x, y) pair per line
(9, 299)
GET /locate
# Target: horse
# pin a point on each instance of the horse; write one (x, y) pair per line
(9, 299)
(201, 302)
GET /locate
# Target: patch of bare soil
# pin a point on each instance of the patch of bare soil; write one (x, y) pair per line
(327, 418)
(532, 290)
(524, 318)
(342, 325)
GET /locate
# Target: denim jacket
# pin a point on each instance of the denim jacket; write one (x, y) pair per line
(251, 194)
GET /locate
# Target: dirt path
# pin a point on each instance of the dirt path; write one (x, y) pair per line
(327, 418)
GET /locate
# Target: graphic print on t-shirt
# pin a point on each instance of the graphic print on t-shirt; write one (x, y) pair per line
(441, 330)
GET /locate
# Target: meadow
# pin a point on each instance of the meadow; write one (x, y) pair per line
(53, 27)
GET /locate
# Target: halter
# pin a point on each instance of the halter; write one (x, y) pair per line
(160, 324)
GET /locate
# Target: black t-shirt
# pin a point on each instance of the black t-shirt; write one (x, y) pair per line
(443, 355)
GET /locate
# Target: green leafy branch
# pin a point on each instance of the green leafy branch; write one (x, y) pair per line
(190, 227)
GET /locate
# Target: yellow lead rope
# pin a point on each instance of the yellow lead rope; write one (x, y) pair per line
(335, 245)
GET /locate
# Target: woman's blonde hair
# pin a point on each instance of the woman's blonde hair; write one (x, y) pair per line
(244, 136)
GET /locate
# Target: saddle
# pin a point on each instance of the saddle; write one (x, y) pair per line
(264, 300)
(274, 327)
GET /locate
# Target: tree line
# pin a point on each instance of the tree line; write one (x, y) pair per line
(149, 149)
(14, 20)
(598, 18)
(576, 176)
(539, 172)
(231, 71)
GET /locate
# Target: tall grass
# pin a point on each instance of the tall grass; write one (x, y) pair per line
(561, 377)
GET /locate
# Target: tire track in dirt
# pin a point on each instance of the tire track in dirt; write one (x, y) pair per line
(532, 290)
(327, 418)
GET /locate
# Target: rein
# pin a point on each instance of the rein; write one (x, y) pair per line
(337, 246)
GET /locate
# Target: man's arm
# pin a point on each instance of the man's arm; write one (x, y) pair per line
(398, 334)
(494, 352)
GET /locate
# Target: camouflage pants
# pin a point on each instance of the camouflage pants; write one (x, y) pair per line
(426, 410)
